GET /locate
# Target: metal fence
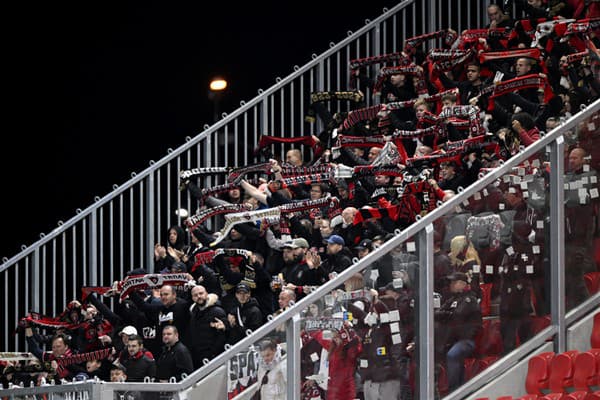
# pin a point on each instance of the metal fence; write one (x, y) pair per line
(118, 232)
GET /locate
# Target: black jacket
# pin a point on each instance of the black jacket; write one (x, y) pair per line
(176, 314)
(173, 362)
(248, 316)
(205, 341)
(138, 367)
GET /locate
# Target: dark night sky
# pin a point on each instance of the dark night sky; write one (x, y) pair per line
(94, 90)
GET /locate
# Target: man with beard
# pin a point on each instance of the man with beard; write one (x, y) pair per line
(206, 321)
(299, 270)
(338, 256)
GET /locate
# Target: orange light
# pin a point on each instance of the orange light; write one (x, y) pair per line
(218, 84)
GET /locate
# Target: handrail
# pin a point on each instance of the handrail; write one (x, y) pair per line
(155, 165)
(398, 239)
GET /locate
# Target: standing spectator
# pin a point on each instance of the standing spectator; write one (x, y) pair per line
(176, 359)
(344, 348)
(338, 256)
(175, 250)
(60, 349)
(207, 318)
(272, 372)
(581, 225)
(170, 311)
(498, 19)
(457, 323)
(244, 315)
(450, 178)
(138, 365)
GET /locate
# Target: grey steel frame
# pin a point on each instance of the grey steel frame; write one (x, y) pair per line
(86, 232)
(423, 230)
(117, 232)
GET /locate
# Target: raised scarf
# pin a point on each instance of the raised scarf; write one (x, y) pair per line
(411, 44)
(236, 174)
(383, 58)
(310, 141)
(195, 220)
(142, 282)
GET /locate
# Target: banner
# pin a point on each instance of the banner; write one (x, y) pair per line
(242, 370)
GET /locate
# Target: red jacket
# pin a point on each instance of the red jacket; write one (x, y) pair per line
(341, 384)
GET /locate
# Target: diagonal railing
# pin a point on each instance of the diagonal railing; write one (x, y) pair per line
(118, 232)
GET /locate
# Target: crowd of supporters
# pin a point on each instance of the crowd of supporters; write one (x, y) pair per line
(444, 116)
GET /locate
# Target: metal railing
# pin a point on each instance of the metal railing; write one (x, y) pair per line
(118, 232)
(420, 236)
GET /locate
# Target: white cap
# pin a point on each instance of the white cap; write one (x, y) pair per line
(128, 330)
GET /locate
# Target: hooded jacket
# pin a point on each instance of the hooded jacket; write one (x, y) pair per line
(204, 340)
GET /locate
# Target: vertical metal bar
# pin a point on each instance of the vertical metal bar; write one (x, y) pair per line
(150, 223)
(101, 247)
(459, 27)
(84, 252)
(74, 260)
(156, 209)
(292, 113)
(121, 226)
(208, 157)
(424, 310)
(292, 335)
(27, 282)
(111, 248)
(54, 275)
(140, 235)
(557, 243)
(263, 116)
(93, 260)
(64, 266)
(282, 130)
(5, 273)
(17, 289)
(44, 306)
(236, 133)
(131, 227)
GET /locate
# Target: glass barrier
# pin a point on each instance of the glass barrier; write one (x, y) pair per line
(581, 200)
(358, 340)
(491, 272)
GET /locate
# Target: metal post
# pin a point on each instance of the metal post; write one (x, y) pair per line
(93, 249)
(292, 334)
(35, 281)
(150, 239)
(432, 22)
(424, 309)
(557, 242)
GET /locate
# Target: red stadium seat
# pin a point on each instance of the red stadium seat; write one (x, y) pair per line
(539, 323)
(489, 340)
(443, 381)
(473, 366)
(552, 396)
(592, 282)
(585, 372)
(595, 337)
(486, 299)
(561, 371)
(538, 373)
